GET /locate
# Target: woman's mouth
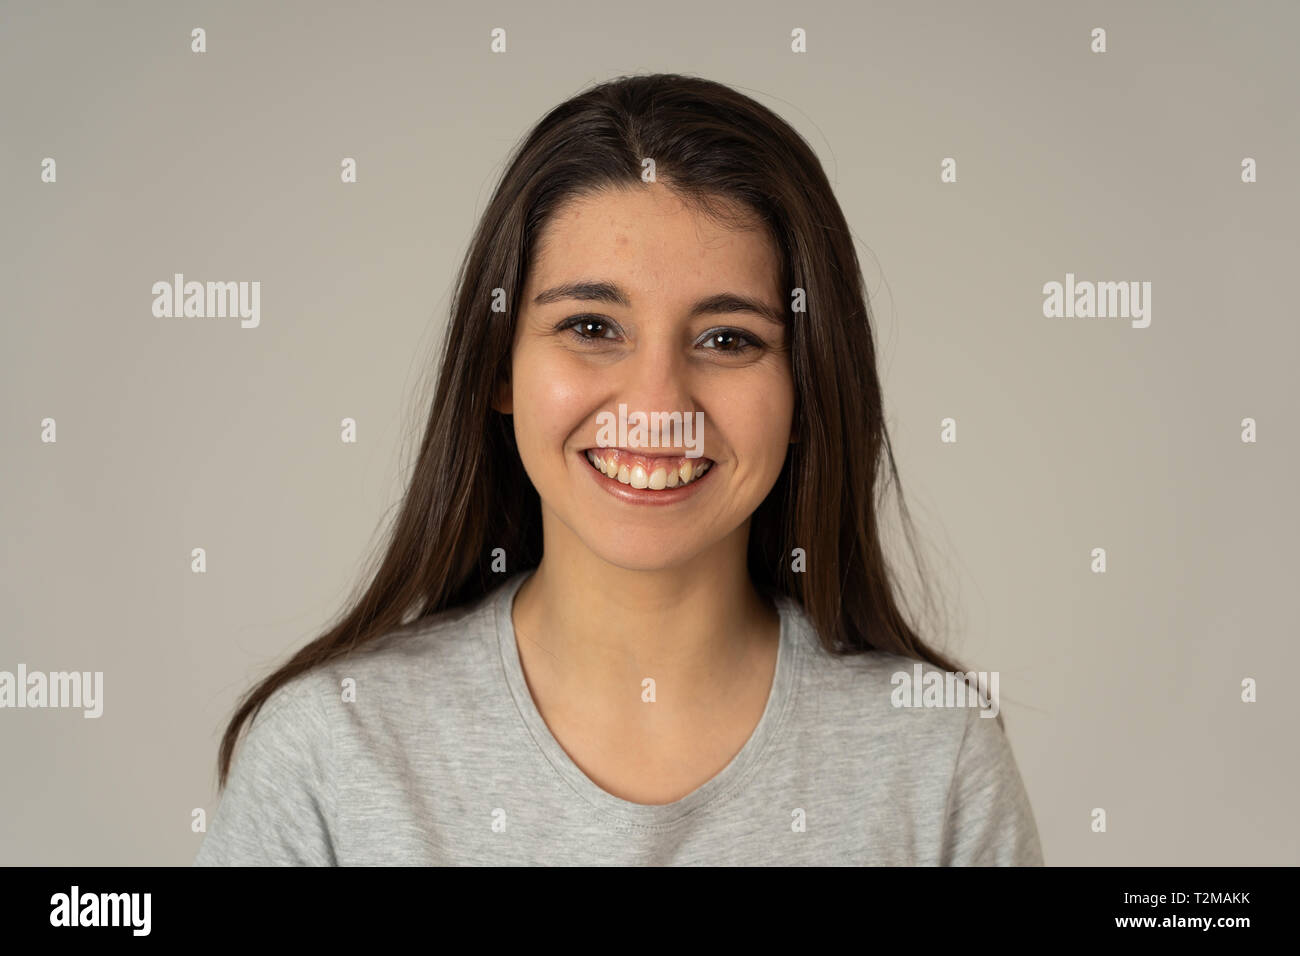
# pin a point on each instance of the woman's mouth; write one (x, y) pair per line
(650, 472)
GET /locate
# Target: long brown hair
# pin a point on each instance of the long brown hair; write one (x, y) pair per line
(469, 493)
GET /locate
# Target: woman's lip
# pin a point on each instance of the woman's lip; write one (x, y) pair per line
(598, 449)
(644, 496)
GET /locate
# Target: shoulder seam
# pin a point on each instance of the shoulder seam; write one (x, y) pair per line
(952, 780)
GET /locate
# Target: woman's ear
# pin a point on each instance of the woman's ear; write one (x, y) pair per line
(503, 399)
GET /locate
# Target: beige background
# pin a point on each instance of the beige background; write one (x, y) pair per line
(1121, 690)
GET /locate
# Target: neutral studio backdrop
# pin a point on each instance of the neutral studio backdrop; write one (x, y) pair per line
(1121, 690)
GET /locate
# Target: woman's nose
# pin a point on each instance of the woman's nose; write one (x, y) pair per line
(656, 378)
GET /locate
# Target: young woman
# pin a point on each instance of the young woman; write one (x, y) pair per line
(586, 647)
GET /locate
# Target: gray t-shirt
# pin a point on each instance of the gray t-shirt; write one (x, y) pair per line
(443, 758)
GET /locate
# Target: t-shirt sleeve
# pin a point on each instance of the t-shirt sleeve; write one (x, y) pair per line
(989, 819)
(277, 807)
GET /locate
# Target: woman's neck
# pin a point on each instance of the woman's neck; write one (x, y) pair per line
(699, 631)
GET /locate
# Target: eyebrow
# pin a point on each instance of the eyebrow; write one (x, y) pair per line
(599, 291)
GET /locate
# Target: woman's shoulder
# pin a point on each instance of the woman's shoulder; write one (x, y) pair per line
(921, 727)
(451, 644)
(418, 660)
(884, 691)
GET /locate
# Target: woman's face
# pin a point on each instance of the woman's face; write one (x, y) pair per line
(655, 351)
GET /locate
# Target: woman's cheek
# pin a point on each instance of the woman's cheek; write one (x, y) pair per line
(551, 395)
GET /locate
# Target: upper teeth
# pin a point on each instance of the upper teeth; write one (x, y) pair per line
(662, 476)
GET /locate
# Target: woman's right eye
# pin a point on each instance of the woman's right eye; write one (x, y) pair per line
(582, 325)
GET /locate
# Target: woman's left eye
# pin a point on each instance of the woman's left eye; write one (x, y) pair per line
(743, 342)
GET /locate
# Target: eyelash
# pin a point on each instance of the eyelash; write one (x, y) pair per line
(571, 323)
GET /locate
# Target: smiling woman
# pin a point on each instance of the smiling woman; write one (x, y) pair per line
(686, 654)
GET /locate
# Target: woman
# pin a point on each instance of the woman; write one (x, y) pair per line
(593, 642)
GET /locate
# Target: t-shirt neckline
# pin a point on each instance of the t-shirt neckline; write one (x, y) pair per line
(732, 776)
